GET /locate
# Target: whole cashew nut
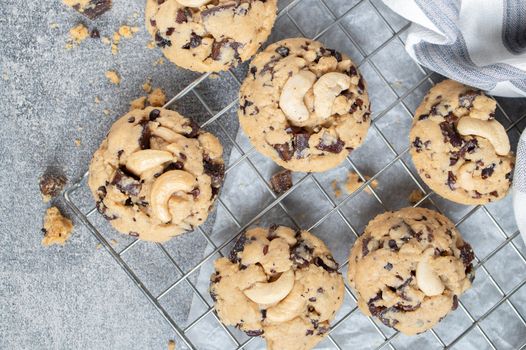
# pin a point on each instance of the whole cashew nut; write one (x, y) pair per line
(326, 89)
(289, 307)
(193, 3)
(166, 134)
(166, 186)
(291, 99)
(140, 161)
(488, 129)
(271, 292)
(426, 278)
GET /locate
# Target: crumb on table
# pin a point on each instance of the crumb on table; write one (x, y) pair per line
(78, 142)
(127, 31)
(57, 228)
(138, 103)
(113, 77)
(171, 344)
(147, 86)
(354, 182)
(336, 188)
(281, 181)
(89, 8)
(77, 34)
(415, 196)
(51, 185)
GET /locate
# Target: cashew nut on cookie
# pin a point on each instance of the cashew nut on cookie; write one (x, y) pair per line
(291, 100)
(326, 89)
(167, 185)
(489, 129)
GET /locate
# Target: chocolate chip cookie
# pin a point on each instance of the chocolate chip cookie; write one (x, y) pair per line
(459, 149)
(156, 175)
(304, 105)
(279, 284)
(209, 35)
(409, 268)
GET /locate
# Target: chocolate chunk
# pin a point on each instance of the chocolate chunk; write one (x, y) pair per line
(94, 8)
(361, 86)
(466, 99)
(131, 120)
(450, 134)
(488, 171)
(213, 10)
(451, 118)
(373, 309)
(423, 117)
(451, 180)
(283, 51)
(154, 114)
(144, 139)
(365, 245)
(238, 247)
(253, 71)
(309, 332)
(126, 184)
(388, 266)
(466, 254)
(494, 193)
(195, 129)
(335, 147)
(320, 290)
(392, 244)
(284, 151)
(215, 170)
(406, 308)
(195, 192)
(312, 299)
(281, 181)
(133, 234)
(182, 16)
(162, 42)
(353, 71)
(263, 314)
(417, 143)
(195, 41)
(94, 34)
(455, 303)
(243, 107)
(218, 45)
(213, 295)
(170, 31)
(321, 263)
(52, 184)
(300, 142)
(301, 254)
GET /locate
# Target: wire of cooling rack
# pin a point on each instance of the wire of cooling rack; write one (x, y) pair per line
(277, 201)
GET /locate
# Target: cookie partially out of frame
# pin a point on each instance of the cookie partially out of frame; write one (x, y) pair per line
(304, 105)
(279, 284)
(409, 268)
(156, 175)
(209, 35)
(459, 150)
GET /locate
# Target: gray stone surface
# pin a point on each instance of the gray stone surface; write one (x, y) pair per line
(77, 296)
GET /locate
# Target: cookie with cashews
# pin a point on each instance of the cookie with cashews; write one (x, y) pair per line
(156, 175)
(280, 284)
(304, 105)
(409, 268)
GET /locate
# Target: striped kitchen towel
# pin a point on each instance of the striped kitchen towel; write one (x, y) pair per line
(481, 43)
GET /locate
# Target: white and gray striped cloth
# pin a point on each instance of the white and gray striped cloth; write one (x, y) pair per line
(481, 43)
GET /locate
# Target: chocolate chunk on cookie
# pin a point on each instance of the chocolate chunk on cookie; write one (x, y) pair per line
(89, 8)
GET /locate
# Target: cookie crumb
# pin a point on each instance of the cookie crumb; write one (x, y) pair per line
(53, 25)
(171, 344)
(138, 103)
(159, 62)
(113, 77)
(157, 98)
(89, 8)
(214, 76)
(113, 241)
(57, 228)
(97, 99)
(77, 142)
(98, 246)
(106, 112)
(105, 40)
(51, 185)
(336, 189)
(354, 182)
(281, 181)
(415, 196)
(127, 31)
(147, 87)
(151, 45)
(77, 34)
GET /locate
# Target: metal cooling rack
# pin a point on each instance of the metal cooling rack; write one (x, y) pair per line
(514, 313)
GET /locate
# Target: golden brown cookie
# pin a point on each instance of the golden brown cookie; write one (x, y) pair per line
(304, 105)
(209, 35)
(409, 268)
(280, 284)
(459, 149)
(156, 175)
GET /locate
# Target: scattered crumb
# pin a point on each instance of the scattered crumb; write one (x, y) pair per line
(105, 40)
(98, 246)
(5, 76)
(127, 31)
(157, 98)
(171, 344)
(138, 103)
(106, 112)
(281, 181)
(77, 142)
(136, 15)
(53, 25)
(51, 185)
(113, 241)
(214, 76)
(147, 86)
(94, 34)
(151, 45)
(353, 182)
(79, 33)
(113, 77)
(89, 8)
(415, 196)
(57, 228)
(336, 189)
(97, 99)
(159, 62)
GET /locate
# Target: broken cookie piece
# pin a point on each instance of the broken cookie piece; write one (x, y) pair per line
(354, 182)
(113, 77)
(57, 228)
(281, 181)
(89, 8)
(51, 185)
(415, 196)
(157, 98)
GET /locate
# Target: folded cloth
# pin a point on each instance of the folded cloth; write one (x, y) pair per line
(481, 43)
(519, 187)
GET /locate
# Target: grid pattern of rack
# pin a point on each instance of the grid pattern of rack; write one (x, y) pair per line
(330, 20)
